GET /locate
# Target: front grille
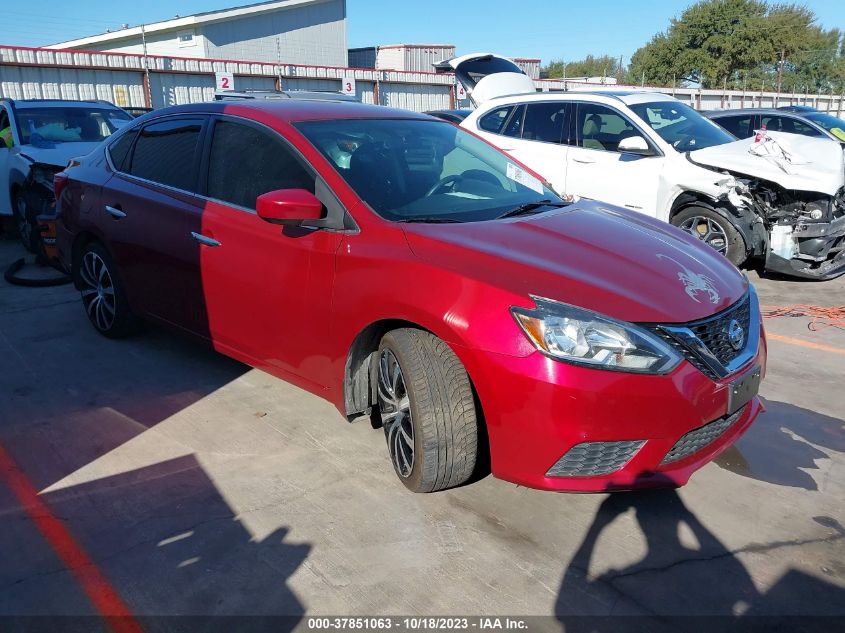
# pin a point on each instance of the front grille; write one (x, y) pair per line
(712, 333)
(594, 458)
(699, 438)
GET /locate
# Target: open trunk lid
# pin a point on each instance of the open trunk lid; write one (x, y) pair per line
(486, 76)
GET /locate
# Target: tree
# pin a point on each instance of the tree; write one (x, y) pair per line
(743, 42)
(590, 66)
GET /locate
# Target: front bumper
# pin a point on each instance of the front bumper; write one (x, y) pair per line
(821, 248)
(538, 409)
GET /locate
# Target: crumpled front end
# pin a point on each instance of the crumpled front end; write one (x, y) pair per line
(803, 232)
(791, 191)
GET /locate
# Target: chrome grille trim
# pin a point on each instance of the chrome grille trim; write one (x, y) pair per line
(704, 342)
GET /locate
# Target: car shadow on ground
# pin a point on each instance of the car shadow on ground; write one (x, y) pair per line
(686, 571)
(170, 545)
(784, 444)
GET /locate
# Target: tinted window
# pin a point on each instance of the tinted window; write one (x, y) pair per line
(246, 162)
(788, 124)
(739, 126)
(602, 128)
(545, 122)
(493, 121)
(167, 153)
(120, 149)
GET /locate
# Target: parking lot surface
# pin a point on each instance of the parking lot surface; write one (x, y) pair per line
(151, 476)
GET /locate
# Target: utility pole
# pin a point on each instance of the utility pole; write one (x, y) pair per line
(148, 97)
(643, 82)
(780, 67)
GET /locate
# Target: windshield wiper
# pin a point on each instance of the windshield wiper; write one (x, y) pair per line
(430, 220)
(531, 207)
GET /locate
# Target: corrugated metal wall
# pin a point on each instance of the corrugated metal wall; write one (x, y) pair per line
(418, 98)
(40, 73)
(362, 57)
(412, 58)
(121, 87)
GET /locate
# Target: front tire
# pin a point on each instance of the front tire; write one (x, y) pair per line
(25, 223)
(102, 293)
(427, 410)
(714, 230)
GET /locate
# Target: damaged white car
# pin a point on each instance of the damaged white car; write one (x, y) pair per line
(777, 199)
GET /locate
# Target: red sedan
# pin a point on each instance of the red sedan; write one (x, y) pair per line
(404, 269)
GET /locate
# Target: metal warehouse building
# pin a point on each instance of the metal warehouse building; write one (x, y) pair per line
(289, 31)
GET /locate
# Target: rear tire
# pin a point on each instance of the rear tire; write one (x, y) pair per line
(714, 230)
(102, 293)
(427, 410)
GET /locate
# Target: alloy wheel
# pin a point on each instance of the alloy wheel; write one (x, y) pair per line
(708, 231)
(395, 408)
(97, 291)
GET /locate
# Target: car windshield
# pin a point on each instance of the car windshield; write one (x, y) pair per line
(681, 126)
(831, 123)
(424, 170)
(44, 127)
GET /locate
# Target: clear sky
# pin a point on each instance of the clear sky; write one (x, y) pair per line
(548, 29)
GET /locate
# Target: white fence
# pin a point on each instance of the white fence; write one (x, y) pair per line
(31, 73)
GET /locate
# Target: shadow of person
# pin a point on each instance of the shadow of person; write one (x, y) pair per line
(781, 448)
(685, 570)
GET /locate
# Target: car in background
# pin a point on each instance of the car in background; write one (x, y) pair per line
(743, 122)
(325, 95)
(46, 134)
(453, 116)
(136, 111)
(406, 270)
(649, 152)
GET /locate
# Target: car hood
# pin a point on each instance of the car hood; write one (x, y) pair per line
(607, 259)
(794, 162)
(59, 155)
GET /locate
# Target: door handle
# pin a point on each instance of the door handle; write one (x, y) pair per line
(202, 239)
(115, 212)
(585, 161)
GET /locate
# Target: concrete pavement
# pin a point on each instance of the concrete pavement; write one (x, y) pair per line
(200, 486)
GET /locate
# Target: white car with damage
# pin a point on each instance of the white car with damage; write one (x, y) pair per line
(777, 199)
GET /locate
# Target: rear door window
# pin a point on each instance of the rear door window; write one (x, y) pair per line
(545, 121)
(119, 150)
(168, 153)
(247, 161)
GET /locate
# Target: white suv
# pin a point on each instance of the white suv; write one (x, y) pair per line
(650, 152)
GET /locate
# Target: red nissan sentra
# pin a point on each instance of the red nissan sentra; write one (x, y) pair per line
(402, 268)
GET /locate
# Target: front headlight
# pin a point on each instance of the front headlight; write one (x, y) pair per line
(579, 336)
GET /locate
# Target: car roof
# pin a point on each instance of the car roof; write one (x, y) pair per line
(625, 96)
(717, 113)
(61, 103)
(292, 110)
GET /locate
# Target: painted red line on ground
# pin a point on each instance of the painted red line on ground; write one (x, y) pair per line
(86, 572)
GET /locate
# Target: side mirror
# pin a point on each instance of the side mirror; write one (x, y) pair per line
(635, 145)
(289, 206)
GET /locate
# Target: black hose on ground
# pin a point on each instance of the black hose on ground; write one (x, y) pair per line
(11, 277)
